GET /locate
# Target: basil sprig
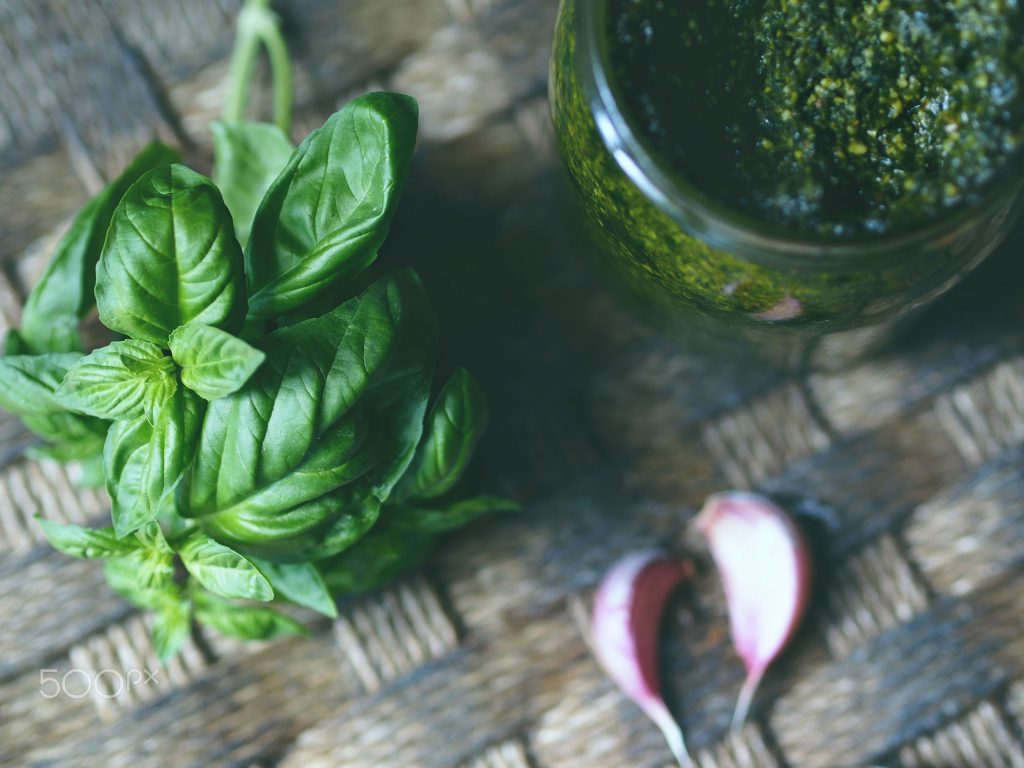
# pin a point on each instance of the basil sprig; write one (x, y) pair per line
(263, 426)
(265, 421)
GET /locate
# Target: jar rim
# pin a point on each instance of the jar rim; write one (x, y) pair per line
(707, 218)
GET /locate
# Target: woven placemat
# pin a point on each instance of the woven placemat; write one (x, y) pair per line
(612, 436)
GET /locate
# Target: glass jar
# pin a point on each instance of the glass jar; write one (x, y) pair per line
(688, 259)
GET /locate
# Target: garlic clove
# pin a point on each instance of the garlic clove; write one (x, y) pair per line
(628, 608)
(765, 566)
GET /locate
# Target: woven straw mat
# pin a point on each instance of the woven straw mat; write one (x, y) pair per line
(611, 436)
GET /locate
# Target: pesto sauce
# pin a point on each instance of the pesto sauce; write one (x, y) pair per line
(683, 282)
(825, 117)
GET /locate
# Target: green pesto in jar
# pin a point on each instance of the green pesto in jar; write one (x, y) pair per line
(680, 254)
(822, 117)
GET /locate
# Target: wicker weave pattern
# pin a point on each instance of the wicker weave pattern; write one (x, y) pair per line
(913, 459)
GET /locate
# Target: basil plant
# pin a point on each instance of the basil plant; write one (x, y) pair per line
(262, 423)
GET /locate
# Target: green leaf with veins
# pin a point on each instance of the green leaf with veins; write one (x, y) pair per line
(213, 362)
(15, 344)
(402, 540)
(28, 384)
(123, 576)
(151, 536)
(170, 258)
(301, 583)
(90, 543)
(175, 526)
(247, 157)
(324, 218)
(123, 380)
(156, 571)
(450, 516)
(381, 556)
(222, 570)
(294, 466)
(455, 425)
(125, 457)
(171, 627)
(87, 449)
(66, 291)
(74, 436)
(244, 621)
(144, 463)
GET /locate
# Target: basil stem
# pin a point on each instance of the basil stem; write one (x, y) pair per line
(258, 25)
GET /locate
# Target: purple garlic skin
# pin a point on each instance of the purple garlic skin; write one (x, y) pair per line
(628, 608)
(766, 570)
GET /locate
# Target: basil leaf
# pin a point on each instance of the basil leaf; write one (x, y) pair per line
(213, 362)
(90, 543)
(87, 448)
(72, 435)
(456, 423)
(156, 571)
(451, 516)
(295, 464)
(125, 457)
(15, 344)
(171, 626)
(222, 570)
(324, 218)
(65, 292)
(124, 380)
(402, 540)
(27, 387)
(244, 621)
(144, 463)
(301, 583)
(151, 536)
(28, 382)
(247, 157)
(170, 258)
(176, 527)
(90, 470)
(384, 554)
(123, 576)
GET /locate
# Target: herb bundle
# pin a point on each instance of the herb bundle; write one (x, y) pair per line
(262, 423)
